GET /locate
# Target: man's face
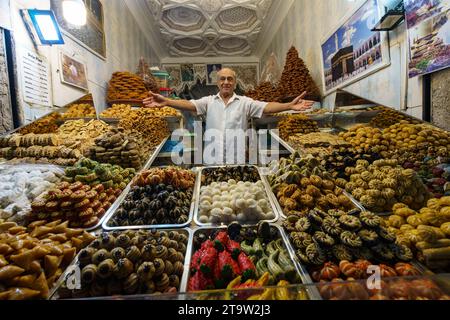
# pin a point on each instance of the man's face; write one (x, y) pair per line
(226, 82)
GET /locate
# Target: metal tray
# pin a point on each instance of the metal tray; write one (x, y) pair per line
(183, 281)
(117, 204)
(154, 154)
(199, 185)
(303, 276)
(281, 141)
(360, 206)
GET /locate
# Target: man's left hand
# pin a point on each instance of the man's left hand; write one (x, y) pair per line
(298, 104)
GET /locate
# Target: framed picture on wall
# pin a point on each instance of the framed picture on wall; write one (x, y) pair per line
(92, 35)
(73, 72)
(212, 70)
(352, 51)
(187, 72)
(247, 74)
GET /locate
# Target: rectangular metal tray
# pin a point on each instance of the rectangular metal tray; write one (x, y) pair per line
(197, 195)
(304, 277)
(117, 204)
(183, 281)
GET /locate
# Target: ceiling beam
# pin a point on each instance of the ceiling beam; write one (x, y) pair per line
(144, 19)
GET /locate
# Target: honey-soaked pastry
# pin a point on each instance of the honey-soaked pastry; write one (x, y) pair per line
(122, 241)
(161, 252)
(315, 256)
(107, 241)
(301, 239)
(164, 241)
(123, 268)
(178, 268)
(174, 235)
(131, 284)
(100, 256)
(174, 281)
(89, 273)
(175, 245)
(350, 222)
(105, 269)
(386, 235)
(368, 237)
(51, 264)
(331, 226)
(369, 219)
(335, 213)
(22, 294)
(402, 252)
(118, 253)
(168, 267)
(9, 272)
(134, 254)
(302, 224)
(159, 266)
(146, 271)
(323, 239)
(172, 255)
(162, 282)
(148, 252)
(383, 252)
(350, 239)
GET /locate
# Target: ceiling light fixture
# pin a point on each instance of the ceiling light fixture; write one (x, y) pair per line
(74, 11)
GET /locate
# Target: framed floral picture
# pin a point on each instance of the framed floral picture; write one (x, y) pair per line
(73, 72)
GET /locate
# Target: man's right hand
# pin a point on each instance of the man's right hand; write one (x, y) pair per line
(155, 101)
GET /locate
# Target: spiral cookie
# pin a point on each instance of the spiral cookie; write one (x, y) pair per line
(315, 256)
(402, 252)
(341, 252)
(301, 239)
(383, 252)
(369, 237)
(350, 239)
(323, 239)
(315, 217)
(362, 253)
(369, 219)
(350, 222)
(331, 226)
(386, 235)
(302, 257)
(302, 224)
(336, 213)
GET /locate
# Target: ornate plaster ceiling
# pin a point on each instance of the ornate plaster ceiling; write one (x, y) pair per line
(209, 27)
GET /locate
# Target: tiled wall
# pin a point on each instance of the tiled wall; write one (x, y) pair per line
(6, 122)
(306, 27)
(125, 44)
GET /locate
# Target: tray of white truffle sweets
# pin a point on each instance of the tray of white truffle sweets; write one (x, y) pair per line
(232, 193)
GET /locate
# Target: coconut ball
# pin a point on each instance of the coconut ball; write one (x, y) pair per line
(232, 182)
(204, 219)
(241, 203)
(241, 218)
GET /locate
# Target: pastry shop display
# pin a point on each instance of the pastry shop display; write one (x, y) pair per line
(367, 138)
(92, 173)
(126, 86)
(251, 253)
(337, 161)
(296, 124)
(48, 124)
(33, 258)
(130, 263)
(389, 117)
(404, 136)
(225, 202)
(296, 78)
(79, 111)
(20, 185)
(157, 197)
(124, 111)
(117, 148)
(378, 186)
(301, 184)
(265, 91)
(80, 204)
(319, 143)
(436, 176)
(426, 232)
(143, 71)
(80, 135)
(223, 174)
(337, 235)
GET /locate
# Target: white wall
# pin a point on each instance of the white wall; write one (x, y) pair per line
(306, 26)
(125, 44)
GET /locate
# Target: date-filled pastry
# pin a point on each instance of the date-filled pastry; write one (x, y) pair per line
(133, 254)
(172, 255)
(124, 267)
(131, 284)
(146, 271)
(162, 282)
(148, 252)
(100, 255)
(161, 252)
(105, 269)
(159, 266)
(178, 268)
(174, 235)
(163, 240)
(168, 267)
(174, 281)
(89, 273)
(118, 253)
(97, 289)
(122, 241)
(107, 241)
(114, 287)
